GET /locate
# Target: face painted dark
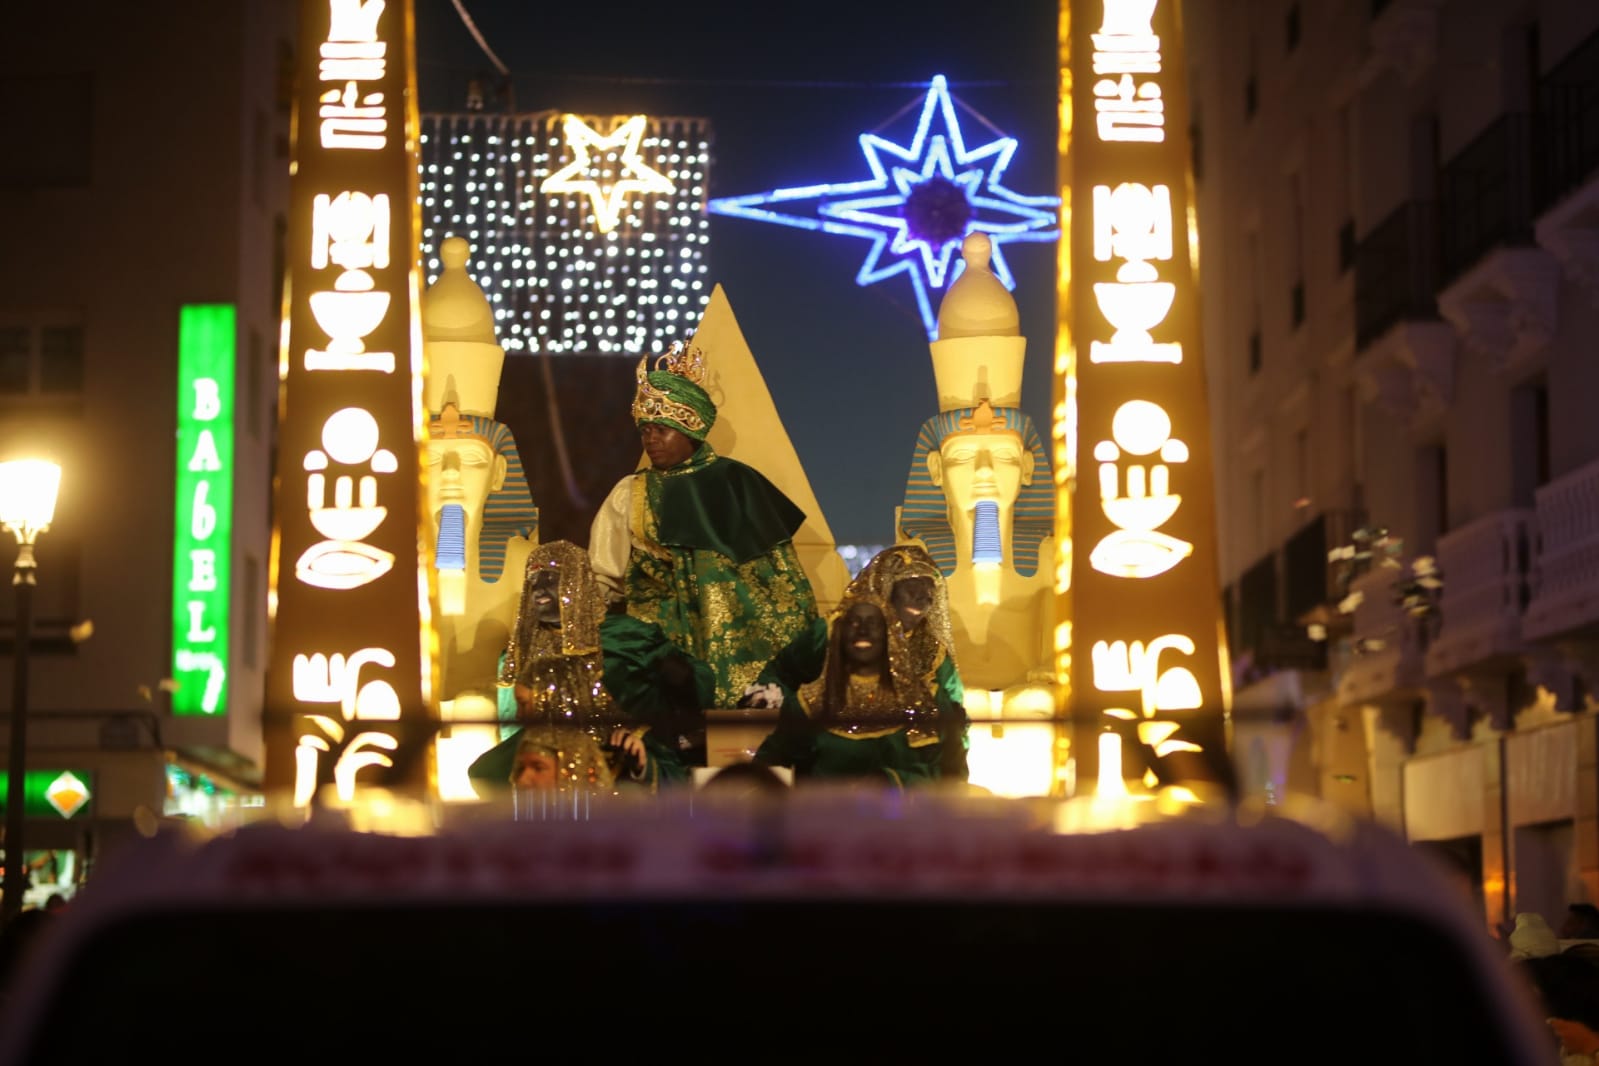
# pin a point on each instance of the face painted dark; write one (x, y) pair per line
(865, 636)
(666, 446)
(912, 599)
(536, 769)
(547, 597)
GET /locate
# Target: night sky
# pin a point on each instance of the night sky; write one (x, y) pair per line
(788, 90)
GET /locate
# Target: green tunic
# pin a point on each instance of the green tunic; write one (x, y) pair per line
(820, 754)
(717, 570)
(801, 662)
(633, 652)
(907, 755)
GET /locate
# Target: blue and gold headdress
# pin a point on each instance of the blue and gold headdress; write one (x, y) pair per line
(925, 514)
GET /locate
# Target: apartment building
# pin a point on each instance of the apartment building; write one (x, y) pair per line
(1399, 210)
(143, 190)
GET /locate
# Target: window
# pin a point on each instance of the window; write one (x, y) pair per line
(1529, 440)
(43, 357)
(1432, 496)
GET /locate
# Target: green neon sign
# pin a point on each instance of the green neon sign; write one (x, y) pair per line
(203, 531)
(52, 793)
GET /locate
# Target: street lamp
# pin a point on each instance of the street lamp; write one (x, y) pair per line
(27, 503)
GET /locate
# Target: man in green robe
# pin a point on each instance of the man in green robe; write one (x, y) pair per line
(698, 544)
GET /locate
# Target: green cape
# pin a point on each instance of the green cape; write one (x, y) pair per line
(713, 503)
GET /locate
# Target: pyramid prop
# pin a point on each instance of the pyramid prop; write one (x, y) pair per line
(748, 429)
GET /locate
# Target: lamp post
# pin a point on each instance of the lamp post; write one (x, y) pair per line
(27, 504)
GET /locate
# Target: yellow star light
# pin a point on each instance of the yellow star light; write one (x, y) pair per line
(607, 196)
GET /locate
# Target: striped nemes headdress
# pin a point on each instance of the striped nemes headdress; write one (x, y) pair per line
(925, 514)
(509, 511)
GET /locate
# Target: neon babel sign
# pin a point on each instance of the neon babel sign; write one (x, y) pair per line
(203, 527)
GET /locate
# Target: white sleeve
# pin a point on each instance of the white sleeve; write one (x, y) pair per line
(611, 538)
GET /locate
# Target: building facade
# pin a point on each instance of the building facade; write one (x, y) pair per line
(1399, 203)
(143, 192)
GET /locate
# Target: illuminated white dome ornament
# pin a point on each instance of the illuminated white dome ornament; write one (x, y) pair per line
(921, 201)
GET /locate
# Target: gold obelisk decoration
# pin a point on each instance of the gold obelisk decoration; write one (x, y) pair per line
(1149, 679)
(350, 678)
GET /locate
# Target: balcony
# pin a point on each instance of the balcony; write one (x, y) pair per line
(1485, 195)
(1484, 565)
(1386, 665)
(1396, 271)
(1568, 125)
(1565, 573)
(1566, 164)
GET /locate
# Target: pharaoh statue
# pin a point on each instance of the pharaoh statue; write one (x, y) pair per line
(483, 517)
(980, 500)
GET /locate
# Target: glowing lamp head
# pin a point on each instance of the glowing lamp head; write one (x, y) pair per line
(28, 490)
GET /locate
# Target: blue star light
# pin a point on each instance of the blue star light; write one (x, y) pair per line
(918, 205)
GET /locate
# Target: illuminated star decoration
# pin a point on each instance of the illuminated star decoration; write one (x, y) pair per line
(633, 175)
(920, 202)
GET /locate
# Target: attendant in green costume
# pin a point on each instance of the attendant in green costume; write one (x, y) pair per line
(869, 716)
(572, 735)
(905, 577)
(697, 544)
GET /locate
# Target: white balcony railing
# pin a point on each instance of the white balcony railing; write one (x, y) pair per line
(1484, 567)
(1565, 574)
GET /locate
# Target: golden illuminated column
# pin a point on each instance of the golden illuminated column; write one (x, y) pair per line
(481, 517)
(1146, 654)
(350, 680)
